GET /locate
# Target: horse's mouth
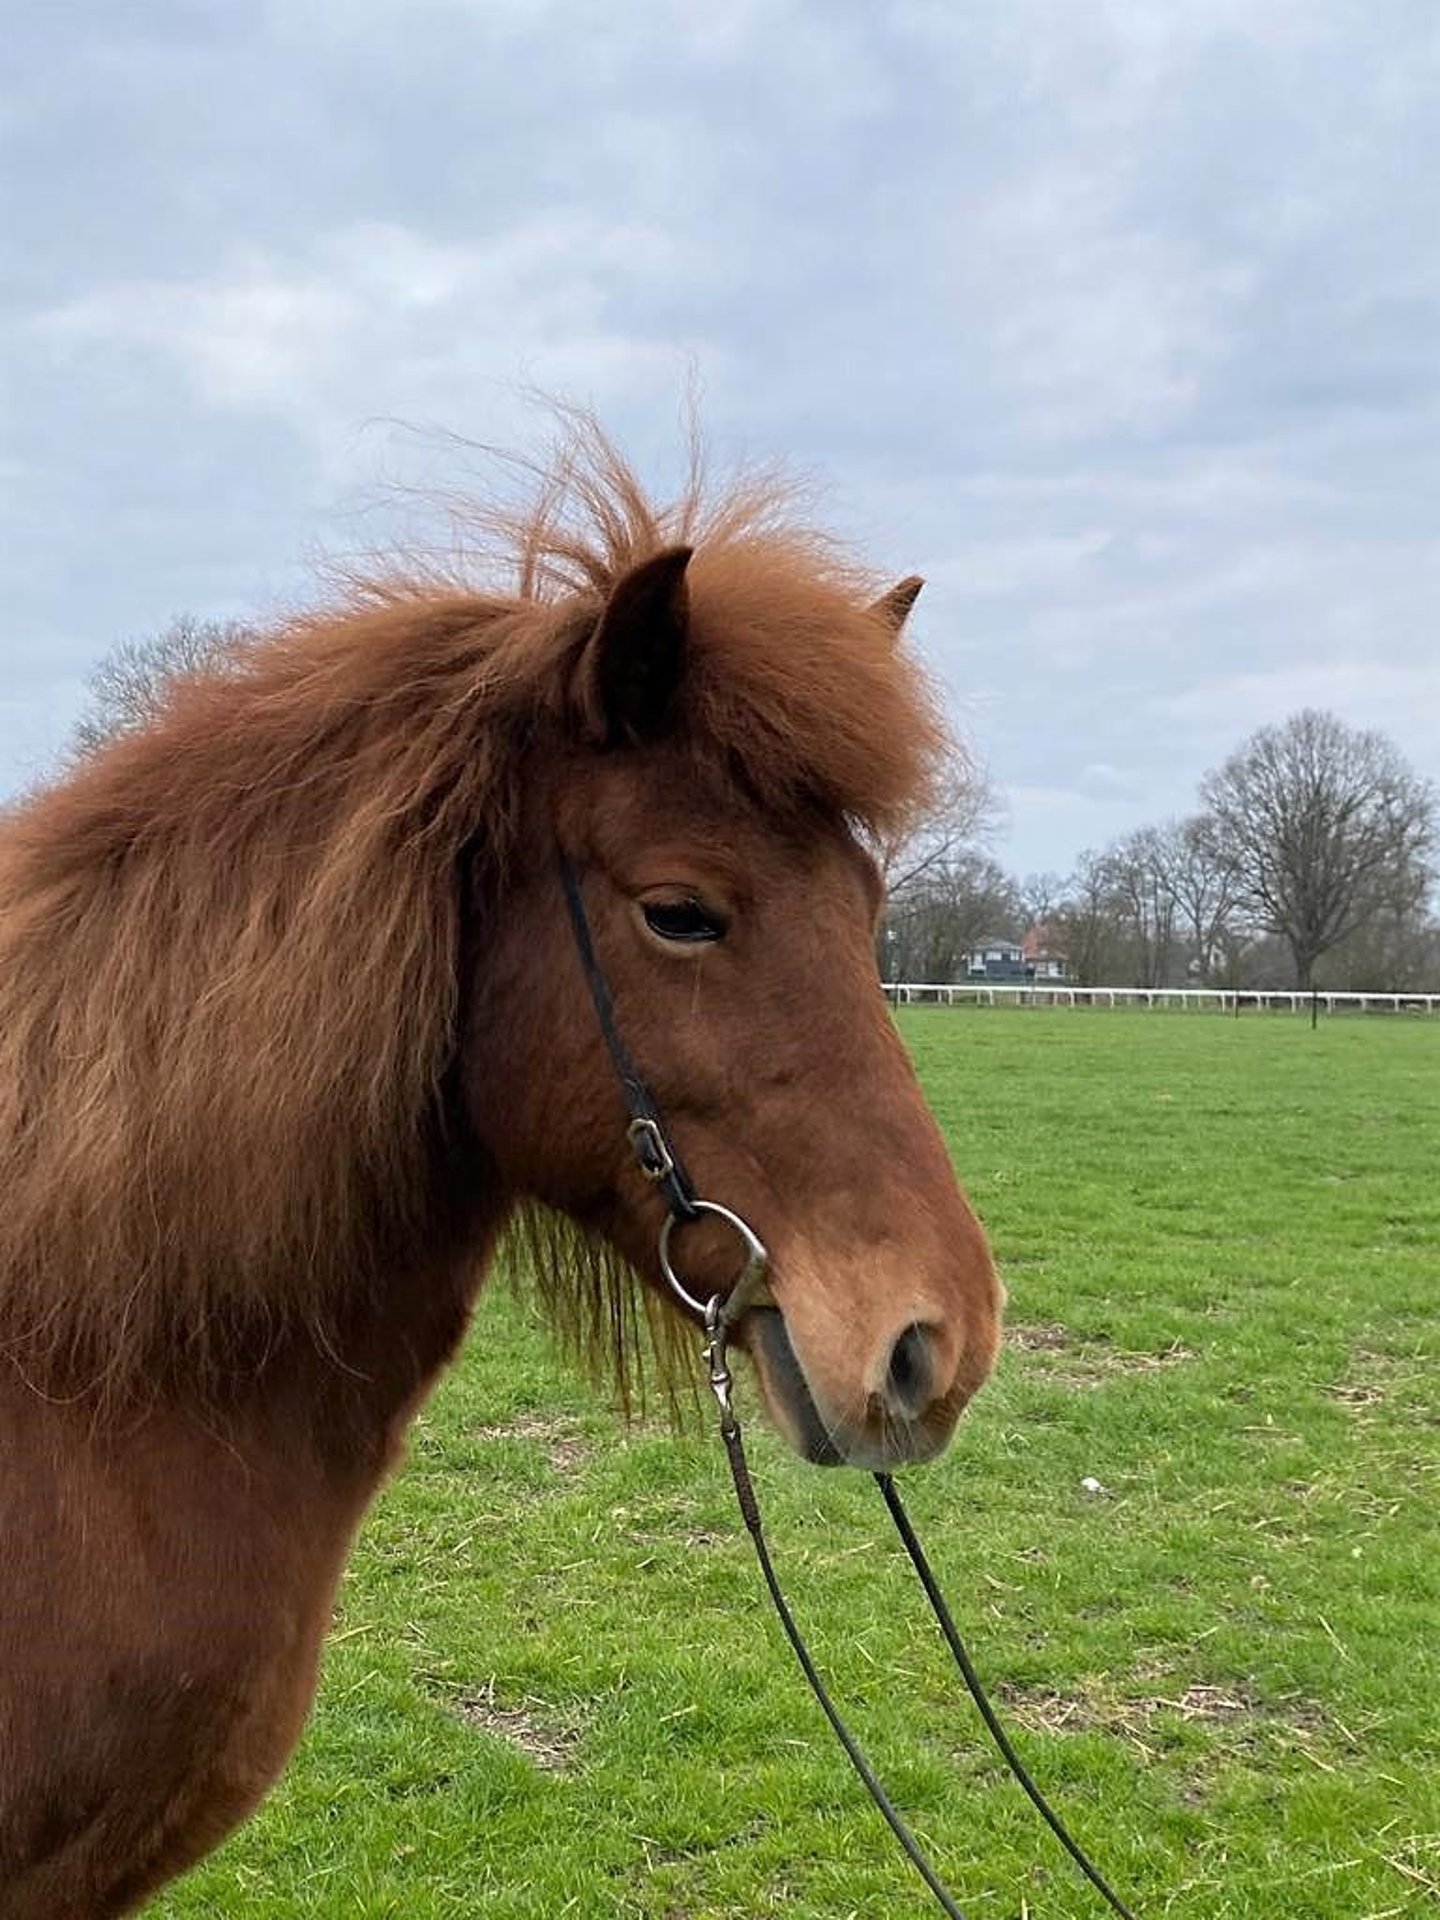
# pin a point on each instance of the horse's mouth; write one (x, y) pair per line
(787, 1392)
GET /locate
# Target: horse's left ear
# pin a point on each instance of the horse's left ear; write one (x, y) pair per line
(894, 607)
(633, 662)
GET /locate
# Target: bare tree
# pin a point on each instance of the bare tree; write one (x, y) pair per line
(128, 688)
(954, 905)
(1133, 870)
(1396, 950)
(965, 812)
(936, 879)
(1042, 895)
(1323, 826)
(1201, 883)
(1089, 925)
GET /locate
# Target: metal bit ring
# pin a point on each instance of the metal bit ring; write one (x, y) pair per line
(752, 1274)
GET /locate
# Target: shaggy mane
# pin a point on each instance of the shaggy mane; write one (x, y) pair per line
(230, 940)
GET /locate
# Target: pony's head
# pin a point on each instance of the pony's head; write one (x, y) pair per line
(292, 1015)
(732, 722)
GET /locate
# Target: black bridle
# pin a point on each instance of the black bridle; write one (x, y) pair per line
(657, 1159)
(654, 1152)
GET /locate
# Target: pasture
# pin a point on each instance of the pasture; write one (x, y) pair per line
(554, 1686)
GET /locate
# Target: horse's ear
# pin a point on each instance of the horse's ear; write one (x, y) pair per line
(632, 664)
(894, 607)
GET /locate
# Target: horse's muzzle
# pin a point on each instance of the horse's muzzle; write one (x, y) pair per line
(899, 1426)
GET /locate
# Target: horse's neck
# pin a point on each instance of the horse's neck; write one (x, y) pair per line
(362, 1379)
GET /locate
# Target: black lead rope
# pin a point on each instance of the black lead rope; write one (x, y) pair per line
(749, 1508)
(750, 1511)
(978, 1694)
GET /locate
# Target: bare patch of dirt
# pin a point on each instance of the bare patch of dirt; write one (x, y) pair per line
(1390, 1386)
(546, 1744)
(564, 1449)
(1356, 1395)
(1088, 1364)
(1052, 1339)
(1142, 1721)
(696, 1537)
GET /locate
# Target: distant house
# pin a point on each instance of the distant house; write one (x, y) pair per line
(1016, 963)
(1043, 960)
(996, 959)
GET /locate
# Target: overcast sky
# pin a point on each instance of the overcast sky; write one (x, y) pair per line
(1119, 320)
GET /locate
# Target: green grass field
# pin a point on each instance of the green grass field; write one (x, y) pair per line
(555, 1687)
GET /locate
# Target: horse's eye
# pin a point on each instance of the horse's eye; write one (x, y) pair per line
(684, 921)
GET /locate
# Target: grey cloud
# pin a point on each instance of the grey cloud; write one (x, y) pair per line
(1121, 324)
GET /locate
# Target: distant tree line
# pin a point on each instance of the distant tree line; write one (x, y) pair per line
(1310, 861)
(128, 688)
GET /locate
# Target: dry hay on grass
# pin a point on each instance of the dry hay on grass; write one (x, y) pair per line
(564, 1449)
(1238, 1716)
(544, 1741)
(1395, 1385)
(1065, 1360)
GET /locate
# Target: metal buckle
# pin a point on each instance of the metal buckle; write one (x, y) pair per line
(650, 1148)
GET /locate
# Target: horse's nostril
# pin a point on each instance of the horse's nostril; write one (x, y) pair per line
(910, 1379)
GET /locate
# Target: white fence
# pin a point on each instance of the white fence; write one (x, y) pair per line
(1185, 999)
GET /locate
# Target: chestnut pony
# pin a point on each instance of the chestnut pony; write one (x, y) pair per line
(292, 1024)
